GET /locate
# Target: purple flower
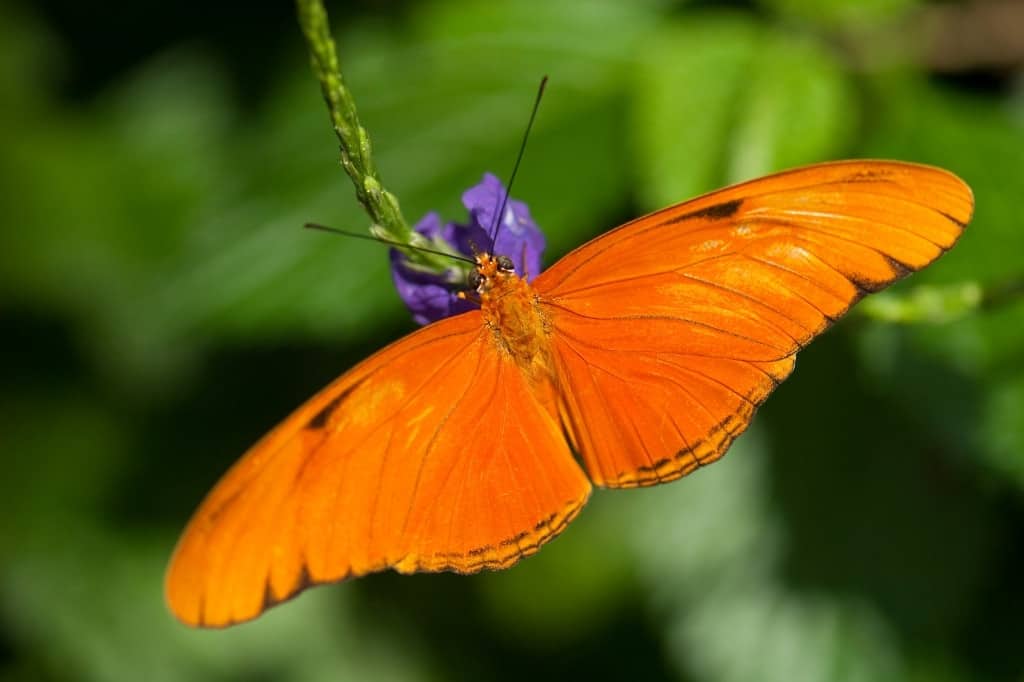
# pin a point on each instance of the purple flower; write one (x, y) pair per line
(431, 295)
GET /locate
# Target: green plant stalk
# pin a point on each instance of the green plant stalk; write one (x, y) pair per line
(356, 151)
(925, 304)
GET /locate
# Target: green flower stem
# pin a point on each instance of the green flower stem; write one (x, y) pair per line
(925, 304)
(356, 156)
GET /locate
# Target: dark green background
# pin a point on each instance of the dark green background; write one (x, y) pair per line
(161, 308)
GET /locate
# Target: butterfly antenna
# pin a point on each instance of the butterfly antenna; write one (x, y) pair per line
(381, 240)
(499, 216)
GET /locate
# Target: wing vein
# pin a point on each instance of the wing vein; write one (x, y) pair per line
(665, 318)
(430, 444)
(752, 299)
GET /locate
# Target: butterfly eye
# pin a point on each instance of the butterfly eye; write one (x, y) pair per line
(474, 280)
(505, 263)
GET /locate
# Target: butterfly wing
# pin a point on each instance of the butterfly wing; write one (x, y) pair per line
(384, 468)
(672, 329)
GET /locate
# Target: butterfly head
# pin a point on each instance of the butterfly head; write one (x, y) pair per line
(489, 271)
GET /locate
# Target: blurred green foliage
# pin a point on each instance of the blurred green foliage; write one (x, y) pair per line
(162, 308)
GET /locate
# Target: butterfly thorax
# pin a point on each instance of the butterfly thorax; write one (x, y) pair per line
(511, 310)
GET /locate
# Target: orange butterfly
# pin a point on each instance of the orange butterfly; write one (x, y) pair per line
(646, 351)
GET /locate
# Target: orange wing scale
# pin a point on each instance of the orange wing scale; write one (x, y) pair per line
(650, 347)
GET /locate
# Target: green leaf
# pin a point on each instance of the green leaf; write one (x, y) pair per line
(978, 139)
(198, 239)
(1002, 427)
(962, 367)
(842, 13)
(710, 550)
(90, 603)
(722, 98)
(572, 588)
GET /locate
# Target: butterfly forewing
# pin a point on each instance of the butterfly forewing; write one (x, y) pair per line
(382, 469)
(670, 330)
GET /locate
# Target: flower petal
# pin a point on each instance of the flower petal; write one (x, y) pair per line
(431, 296)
